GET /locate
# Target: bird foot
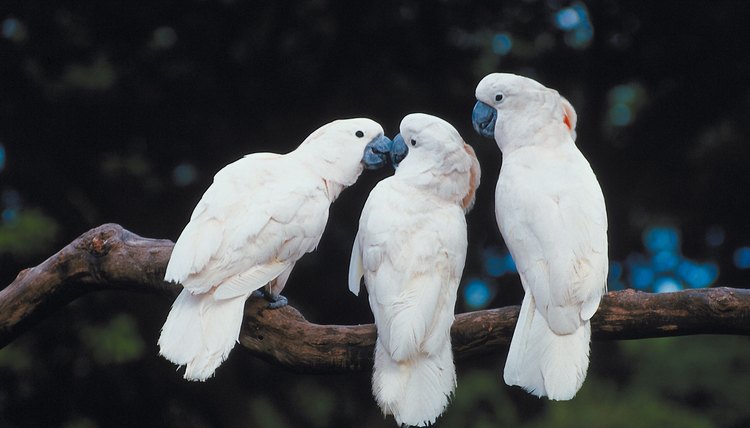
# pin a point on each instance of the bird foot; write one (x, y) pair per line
(279, 302)
(274, 302)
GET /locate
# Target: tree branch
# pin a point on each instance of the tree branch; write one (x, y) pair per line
(110, 257)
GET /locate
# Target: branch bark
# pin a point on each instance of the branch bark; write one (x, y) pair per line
(111, 257)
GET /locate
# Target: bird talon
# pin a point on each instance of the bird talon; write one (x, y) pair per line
(274, 302)
(278, 302)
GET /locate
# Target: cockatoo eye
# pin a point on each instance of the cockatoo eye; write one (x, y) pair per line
(413, 142)
(499, 97)
(359, 134)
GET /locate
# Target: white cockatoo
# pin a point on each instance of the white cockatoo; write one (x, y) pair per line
(551, 214)
(260, 215)
(411, 248)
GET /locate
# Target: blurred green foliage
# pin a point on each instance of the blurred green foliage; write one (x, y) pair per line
(81, 422)
(15, 358)
(710, 374)
(481, 401)
(117, 341)
(29, 233)
(691, 382)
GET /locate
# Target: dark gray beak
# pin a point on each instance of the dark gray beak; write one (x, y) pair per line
(399, 150)
(483, 118)
(377, 152)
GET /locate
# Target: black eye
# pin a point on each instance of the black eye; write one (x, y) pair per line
(499, 97)
(359, 134)
(413, 142)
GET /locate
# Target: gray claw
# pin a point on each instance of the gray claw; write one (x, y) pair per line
(274, 302)
(278, 302)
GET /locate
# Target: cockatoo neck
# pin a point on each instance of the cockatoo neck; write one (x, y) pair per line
(548, 135)
(338, 167)
(446, 177)
(539, 124)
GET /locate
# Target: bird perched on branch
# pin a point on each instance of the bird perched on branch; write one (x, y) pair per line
(551, 213)
(260, 215)
(411, 248)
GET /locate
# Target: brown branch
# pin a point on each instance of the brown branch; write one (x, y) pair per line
(110, 257)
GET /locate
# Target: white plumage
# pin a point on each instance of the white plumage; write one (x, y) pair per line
(551, 213)
(260, 215)
(411, 248)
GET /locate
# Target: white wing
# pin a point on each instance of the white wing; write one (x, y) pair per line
(413, 251)
(356, 269)
(260, 215)
(556, 231)
(413, 248)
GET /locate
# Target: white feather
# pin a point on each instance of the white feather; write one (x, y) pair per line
(260, 215)
(411, 248)
(543, 362)
(246, 282)
(200, 331)
(551, 213)
(356, 269)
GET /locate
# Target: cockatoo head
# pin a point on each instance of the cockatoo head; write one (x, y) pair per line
(340, 150)
(514, 108)
(438, 158)
(360, 140)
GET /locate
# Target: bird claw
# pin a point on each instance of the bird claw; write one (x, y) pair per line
(278, 302)
(274, 302)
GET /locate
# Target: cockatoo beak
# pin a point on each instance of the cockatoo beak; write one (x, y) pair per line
(399, 150)
(483, 117)
(376, 152)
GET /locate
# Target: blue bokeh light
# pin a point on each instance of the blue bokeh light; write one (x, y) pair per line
(477, 294)
(2, 157)
(641, 276)
(614, 278)
(502, 43)
(184, 174)
(497, 263)
(623, 94)
(615, 271)
(667, 284)
(574, 20)
(624, 102)
(661, 238)
(10, 27)
(567, 19)
(715, 236)
(494, 265)
(9, 215)
(742, 258)
(620, 114)
(663, 268)
(580, 37)
(698, 275)
(664, 260)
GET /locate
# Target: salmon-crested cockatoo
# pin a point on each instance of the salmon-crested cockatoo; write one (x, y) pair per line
(411, 248)
(551, 214)
(260, 215)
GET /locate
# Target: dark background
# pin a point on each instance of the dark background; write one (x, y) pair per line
(123, 111)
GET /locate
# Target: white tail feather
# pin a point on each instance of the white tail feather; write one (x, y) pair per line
(415, 391)
(544, 363)
(200, 331)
